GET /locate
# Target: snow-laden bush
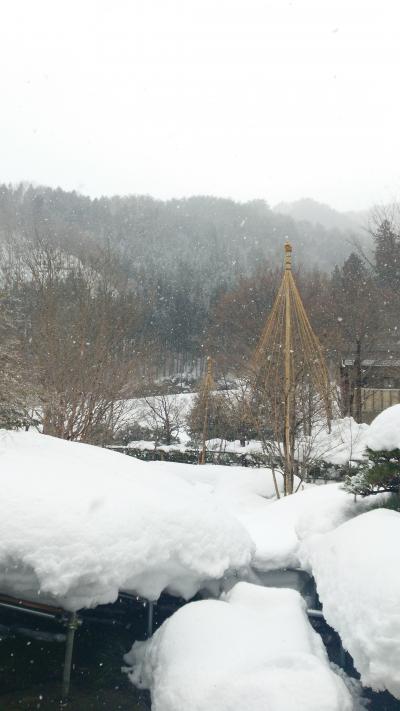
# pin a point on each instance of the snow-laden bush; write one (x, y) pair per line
(381, 471)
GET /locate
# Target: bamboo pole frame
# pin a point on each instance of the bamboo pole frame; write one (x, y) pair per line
(288, 348)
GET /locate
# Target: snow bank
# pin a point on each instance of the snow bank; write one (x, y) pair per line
(254, 649)
(384, 432)
(345, 442)
(234, 446)
(149, 445)
(79, 523)
(357, 570)
(292, 519)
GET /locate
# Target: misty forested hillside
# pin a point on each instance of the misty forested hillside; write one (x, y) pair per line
(217, 238)
(318, 213)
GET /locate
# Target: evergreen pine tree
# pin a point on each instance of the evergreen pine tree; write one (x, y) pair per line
(387, 255)
(380, 474)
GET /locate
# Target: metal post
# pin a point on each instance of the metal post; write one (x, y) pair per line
(72, 626)
(150, 616)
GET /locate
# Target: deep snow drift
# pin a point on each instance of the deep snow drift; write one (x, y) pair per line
(292, 519)
(253, 649)
(79, 523)
(357, 570)
(276, 526)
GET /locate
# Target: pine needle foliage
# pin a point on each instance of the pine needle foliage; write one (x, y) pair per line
(380, 474)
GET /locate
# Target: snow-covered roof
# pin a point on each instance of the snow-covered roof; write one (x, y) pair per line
(374, 362)
(79, 523)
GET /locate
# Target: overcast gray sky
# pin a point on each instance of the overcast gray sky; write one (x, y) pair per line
(272, 99)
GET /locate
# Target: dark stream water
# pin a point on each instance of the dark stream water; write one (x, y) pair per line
(32, 658)
(32, 654)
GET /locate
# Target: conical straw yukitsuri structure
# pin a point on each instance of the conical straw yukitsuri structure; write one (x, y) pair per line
(290, 375)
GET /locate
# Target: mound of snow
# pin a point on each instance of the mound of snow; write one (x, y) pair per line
(357, 570)
(246, 492)
(253, 649)
(292, 519)
(149, 445)
(79, 523)
(384, 432)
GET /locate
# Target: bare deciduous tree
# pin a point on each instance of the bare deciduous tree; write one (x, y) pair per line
(164, 416)
(17, 393)
(76, 342)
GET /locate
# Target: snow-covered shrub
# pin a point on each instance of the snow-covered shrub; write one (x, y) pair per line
(381, 472)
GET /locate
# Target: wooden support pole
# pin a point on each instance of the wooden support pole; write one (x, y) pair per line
(206, 392)
(288, 373)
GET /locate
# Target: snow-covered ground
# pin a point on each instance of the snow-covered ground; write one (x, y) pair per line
(357, 571)
(138, 409)
(253, 649)
(79, 523)
(345, 442)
